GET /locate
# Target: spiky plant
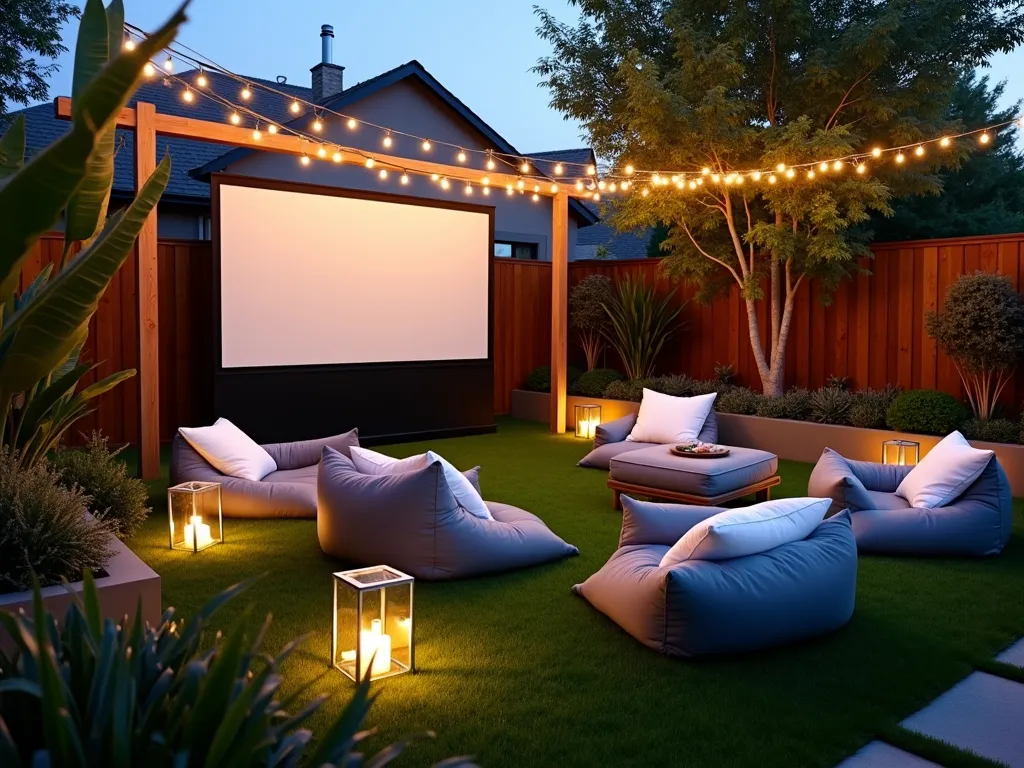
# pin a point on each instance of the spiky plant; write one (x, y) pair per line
(640, 324)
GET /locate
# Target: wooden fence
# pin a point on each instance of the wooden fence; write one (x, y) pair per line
(873, 332)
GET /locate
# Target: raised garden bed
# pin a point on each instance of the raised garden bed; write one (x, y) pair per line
(794, 440)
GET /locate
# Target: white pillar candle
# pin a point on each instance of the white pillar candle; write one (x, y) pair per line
(197, 533)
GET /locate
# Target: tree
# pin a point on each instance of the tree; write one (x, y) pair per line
(985, 196)
(731, 88)
(587, 315)
(29, 27)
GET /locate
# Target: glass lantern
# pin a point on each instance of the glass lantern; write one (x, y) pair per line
(901, 452)
(588, 417)
(194, 516)
(372, 631)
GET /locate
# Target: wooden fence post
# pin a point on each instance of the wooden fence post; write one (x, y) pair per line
(559, 300)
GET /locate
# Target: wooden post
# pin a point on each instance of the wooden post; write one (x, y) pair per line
(148, 302)
(559, 301)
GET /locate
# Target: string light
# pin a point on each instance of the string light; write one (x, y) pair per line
(597, 197)
(336, 157)
(984, 138)
(387, 139)
(554, 188)
(837, 165)
(780, 167)
(321, 151)
(558, 169)
(188, 96)
(468, 188)
(520, 184)
(383, 174)
(790, 173)
(601, 185)
(434, 177)
(810, 174)
(591, 170)
(944, 141)
(876, 152)
(693, 185)
(444, 184)
(756, 176)
(579, 186)
(900, 157)
(149, 70)
(304, 160)
(490, 161)
(272, 129)
(525, 167)
(235, 118)
(487, 191)
(508, 190)
(715, 178)
(169, 64)
(426, 145)
(645, 192)
(295, 108)
(656, 180)
(352, 124)
(129, 44)
(861, 168)
(629, 170)
(485, 181)
(611, 187)
(823, 167)
(772, 179)
(919, 151)
(318, 125)
(201, 81)
(461, 157)
(370, 162)
(536, 188)
(256, 134)
(246, 94)
(405, 179)
(535, 197)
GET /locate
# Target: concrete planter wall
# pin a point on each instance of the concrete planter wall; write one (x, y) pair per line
(128, 581)
(794, 440)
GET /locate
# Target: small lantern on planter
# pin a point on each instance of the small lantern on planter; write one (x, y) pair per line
(372, 630)
(901, 452)
(194, 516)
(588, 417)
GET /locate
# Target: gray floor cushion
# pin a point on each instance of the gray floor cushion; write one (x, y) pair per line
(657, 467)
(412, 522)
(795, 591)
(610, 440)
(288, 492)
(976, 524)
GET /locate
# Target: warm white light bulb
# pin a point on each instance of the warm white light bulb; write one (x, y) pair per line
(387, 140)
(629, 170)
(246, 94)
(352, 124)
(579, 186)
(169, 64)
(304, 160)
(426, 145)
(823, 167)
(810, 174)
(535, 197)
(756, 176)
(693, 185)
(383, 174)
(900, 157)
(919, 151)
(487, 191)
(336, 157)
(295, 107)
(772, 179)
(705, 171)
(508, 190)
(444, 184)
(984, 138)
(434, 177)
(558, 169)
(591, 170)
(370, 162)
(188, 96)
(790, 173)
(645, 192)
(780, 167)
(597, 196)
(837, 165)
(256, 134)
(235, 118)
(321, 152)
(525, 167)
(490, 164)
(944, 141)
(715, 178)
(129, 44)
(468, 189)
(861, 168)
(461, 157)
(655, 179)
(317, 125)
(876, 152)
(404, 179)
(271, 129)
(149, 69)
(201, 81)
(520, 184)
(554, 188)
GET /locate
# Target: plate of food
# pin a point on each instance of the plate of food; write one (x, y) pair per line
(700, 450)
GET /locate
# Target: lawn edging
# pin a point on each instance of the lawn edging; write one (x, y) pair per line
(793, 440)
(127, 583)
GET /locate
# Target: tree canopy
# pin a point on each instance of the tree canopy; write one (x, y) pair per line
(29, 28)
(682, 85)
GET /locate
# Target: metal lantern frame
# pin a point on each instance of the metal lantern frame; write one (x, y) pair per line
(901, 447)
(194, 489)
(351, 581)
(588, 418)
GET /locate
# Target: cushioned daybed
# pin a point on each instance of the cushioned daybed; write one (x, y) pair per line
(412, 522)
(976, 523)
(290, 491)
(794, 591)
(610, 440)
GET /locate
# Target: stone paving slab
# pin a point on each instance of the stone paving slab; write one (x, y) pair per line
(1013, 655)
(878, 754)
(982, 713)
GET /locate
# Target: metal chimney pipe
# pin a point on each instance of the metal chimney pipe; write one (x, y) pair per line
(327, 43)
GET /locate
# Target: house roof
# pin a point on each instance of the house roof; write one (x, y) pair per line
(415, 70)
(545, 161)
(619, 245)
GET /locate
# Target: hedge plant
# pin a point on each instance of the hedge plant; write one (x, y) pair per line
(831, 405)
(992, 431)
(738, 400)
(594, 383)
(539, 379)
(925, 411)
(794, 404)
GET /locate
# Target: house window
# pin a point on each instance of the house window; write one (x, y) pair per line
(526, 251)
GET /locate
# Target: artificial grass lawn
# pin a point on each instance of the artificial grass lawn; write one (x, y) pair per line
(516, 670)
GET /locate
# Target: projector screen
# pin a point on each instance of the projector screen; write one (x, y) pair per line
(319, 279)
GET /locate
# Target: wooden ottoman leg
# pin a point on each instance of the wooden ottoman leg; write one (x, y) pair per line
(763, 495)
(616, 499)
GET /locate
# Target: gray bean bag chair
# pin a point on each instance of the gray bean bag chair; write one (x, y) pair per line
(411, 521)
(976, 524)
(288, 492)
(699, 607)
(610, 440)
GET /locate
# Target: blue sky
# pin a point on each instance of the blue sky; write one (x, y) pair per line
(481, 50)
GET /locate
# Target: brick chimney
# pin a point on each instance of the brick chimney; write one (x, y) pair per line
(328, 77)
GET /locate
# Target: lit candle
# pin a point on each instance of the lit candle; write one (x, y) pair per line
(372, 641)
(587, 427)
(197, 533)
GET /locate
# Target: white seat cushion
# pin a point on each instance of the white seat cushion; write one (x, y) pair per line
(372, 463)
(748, 531)
(230, 450)
(946, 471)
(666, 419)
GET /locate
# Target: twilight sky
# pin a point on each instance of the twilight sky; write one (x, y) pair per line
(481, 50)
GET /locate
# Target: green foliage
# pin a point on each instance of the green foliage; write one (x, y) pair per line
(870, 406)
(985, 195)
(587, 315)
(28, 29)
(43, 530)
(838, 382)
(675, 384)
(116, 498)
(632, 391)
(739, 400)
(640, 324)
(539, 379)
(992, 430)
(96, 693)
(724, 373)
(659, 233)
(795, 404)
(45, 327)
(741, 86)
(831, 405)
(594, 383)
(925, 411)
(981, 328)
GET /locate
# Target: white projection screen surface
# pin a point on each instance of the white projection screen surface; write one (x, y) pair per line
(311, 279)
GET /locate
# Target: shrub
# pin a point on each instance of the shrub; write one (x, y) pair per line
(993, 430)
(724, 374)
(539, 379)
(925, 411)
(738, 400)
(676, 384)
(837, 382)
(640, 323)
(118, 499)
(44, 529)
(831, 405)
(627, 390)
(707, 386)
(981, 328)
(594, 383)
(121, 694)
(870, 405)
(587, 314)
(795, 404)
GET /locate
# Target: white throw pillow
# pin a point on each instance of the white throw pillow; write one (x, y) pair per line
(230, 450)
(667, 419)
(944, 473)
(372, 463)
(749, 530)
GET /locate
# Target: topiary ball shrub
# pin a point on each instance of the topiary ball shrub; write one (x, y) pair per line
(738, 400)
(539, 379)
(632, 391)
(992, 431)
(925, 411)
(44, 528)
(795, 404)
(594, 383)
(117, 498)
(831, 405)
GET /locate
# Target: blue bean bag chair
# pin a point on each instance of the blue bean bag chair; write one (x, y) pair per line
(975, 524)
(699, 607)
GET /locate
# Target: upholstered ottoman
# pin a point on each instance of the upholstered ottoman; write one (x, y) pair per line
(658, 473)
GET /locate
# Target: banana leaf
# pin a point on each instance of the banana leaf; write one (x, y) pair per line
(99, 39)
(32, 199)
(44, 402)
(12, 147)
(45, 331)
